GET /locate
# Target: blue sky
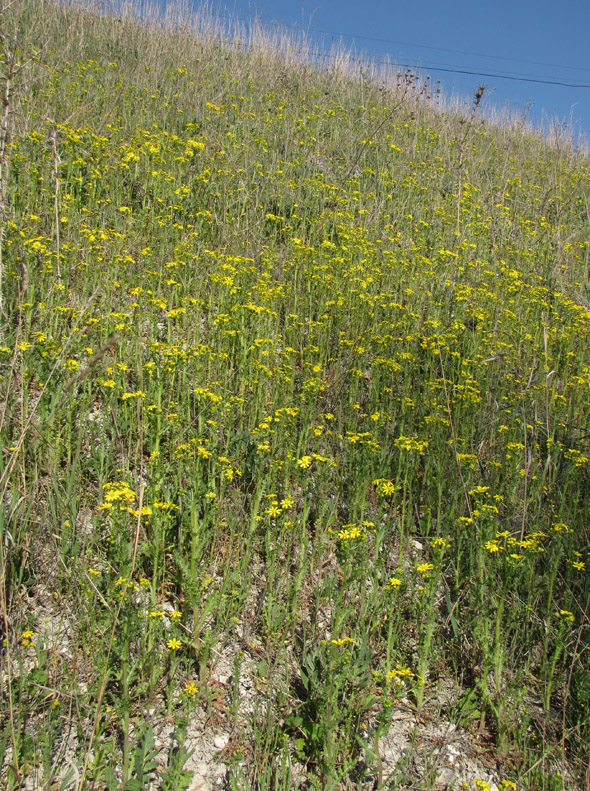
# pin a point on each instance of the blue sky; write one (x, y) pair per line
(542, 40)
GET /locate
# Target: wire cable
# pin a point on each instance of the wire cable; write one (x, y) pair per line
(438, 49)
(446, 68)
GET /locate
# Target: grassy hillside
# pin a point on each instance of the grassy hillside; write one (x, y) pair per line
(294, 420)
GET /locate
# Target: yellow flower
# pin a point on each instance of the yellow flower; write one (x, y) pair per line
(173, 644)
(118, 491)
(349, 533)
(566, 615)
(343, 640)
(423, 568)
(385, 487)
(398, 673)
(190, 689)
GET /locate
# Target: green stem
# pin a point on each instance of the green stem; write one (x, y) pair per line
(193, 569)
(125, 700)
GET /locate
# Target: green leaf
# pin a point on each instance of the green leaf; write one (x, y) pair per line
(300, 745)
(293, 721)
(38, 676)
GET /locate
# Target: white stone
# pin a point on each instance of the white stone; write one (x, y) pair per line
(198, 783)
(445, 777)
(220, 741)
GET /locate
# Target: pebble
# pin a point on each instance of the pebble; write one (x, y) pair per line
(445, 777)
(198, 783)
(219, 742)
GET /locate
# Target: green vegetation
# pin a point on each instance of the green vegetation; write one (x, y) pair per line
(295, 381)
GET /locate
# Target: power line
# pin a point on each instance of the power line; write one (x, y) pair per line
(539, 80)
(439, 49)
(446, 68)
